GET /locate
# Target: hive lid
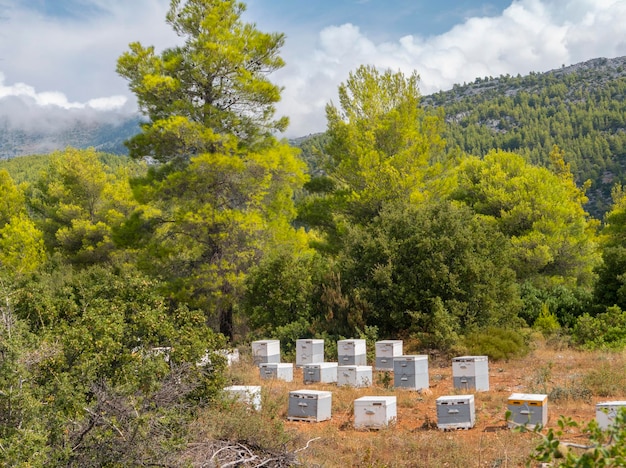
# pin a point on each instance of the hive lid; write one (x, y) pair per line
(611, 403)
(375, 399)
(470, 358)
(311, 393)
(454, 398)
(519, 398)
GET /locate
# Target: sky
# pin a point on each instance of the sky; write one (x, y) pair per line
(58, 57)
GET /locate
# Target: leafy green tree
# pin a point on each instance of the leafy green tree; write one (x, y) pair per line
(115, 371)
(434, 269)
(541, 213)
(610, 289)
(223, 191)
(215, 219)
(78, 201)
(280, 291)
(21, 243)
(23, 434)
(381, 146)
(214, 83)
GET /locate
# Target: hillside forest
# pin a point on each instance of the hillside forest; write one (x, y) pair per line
(409, 218)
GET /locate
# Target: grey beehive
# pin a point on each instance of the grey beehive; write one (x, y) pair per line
(276, 370)
(309, 405)
(386, 350)
(248, 394)
(354, 376)
(309, 351)
(411, 372)
(456, 412)
(606, 412)
(323, 372)
(528, 409)
(471, 373)
(351, 352)
(265, 351)
(374, 412)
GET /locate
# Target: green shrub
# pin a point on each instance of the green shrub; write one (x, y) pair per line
(497, 343)
(604, 331)
(546, 322)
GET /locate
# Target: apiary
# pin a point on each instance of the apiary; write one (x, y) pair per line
(309, 405)
(248, 394)
(386, 350)
(265, 351)
(276, 370)
(351, 352)
(528, 409)
(354, 376)
(309, 351)
(320, 372)
(471, 373)
(606, 412)
(374, 412)
(411, 372)
(456, 412)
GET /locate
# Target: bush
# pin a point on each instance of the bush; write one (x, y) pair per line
(604, 331)
(604, 447)
(497, 343)
(546, 322)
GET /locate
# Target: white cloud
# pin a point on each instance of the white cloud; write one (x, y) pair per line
(530, 35)
(70, 63)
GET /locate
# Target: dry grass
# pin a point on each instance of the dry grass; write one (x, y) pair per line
(575, 381)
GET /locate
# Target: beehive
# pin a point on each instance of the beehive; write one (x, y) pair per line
(471, 373)
(309, 351)
(374, 412)
(351, 352)
(265, 351)
(386, 350)
(248, 394)
(456, 412)
(324, 372)
(411, 372)
(276, 370)
(606, 412)
(309, 405)
(528, 409)
(354, 376)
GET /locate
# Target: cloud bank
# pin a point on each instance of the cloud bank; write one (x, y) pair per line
(530, 35)
(56, 65)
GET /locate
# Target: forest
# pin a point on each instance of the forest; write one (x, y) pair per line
(405, 220)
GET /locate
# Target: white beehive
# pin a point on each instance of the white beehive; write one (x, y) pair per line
(322, 372)
(276, 370)
(386, 350)
(471, 373)
(374, 412)
(309, 351)
(354, 376)
(231, 356)
(528, 409)
(309, 405)
(265, 351)
(456, 412)
(411, 372)
(248, 394)
(606, 412)
(351, 352)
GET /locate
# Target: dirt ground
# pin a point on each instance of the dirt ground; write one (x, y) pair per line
(414, 439)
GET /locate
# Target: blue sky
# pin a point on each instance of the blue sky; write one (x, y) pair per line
(381, 20)
(59, 55)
